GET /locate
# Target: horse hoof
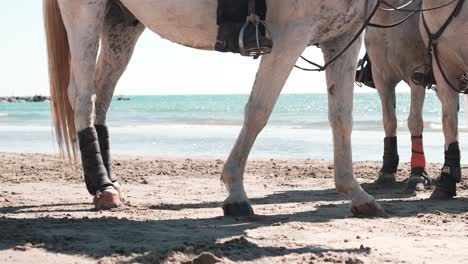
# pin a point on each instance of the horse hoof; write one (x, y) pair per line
(369, 209)
(386, 179)
(106, 199)
(439, 194)
(415, 184)
(238, 209)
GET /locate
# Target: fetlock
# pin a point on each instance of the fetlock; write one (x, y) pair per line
(418, 171)
(447, 181)
(452, 160)
(451, 172)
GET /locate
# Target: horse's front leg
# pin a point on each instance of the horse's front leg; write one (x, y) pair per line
(118, 40)
(386, 88)
(271, 77)
(340, 80)
(451, 172)
(83, 21)
(418, 178)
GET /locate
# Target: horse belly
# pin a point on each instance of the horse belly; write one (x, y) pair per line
(398, 50)
(186, 22)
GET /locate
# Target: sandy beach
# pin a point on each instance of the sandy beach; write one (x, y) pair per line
(172, 214)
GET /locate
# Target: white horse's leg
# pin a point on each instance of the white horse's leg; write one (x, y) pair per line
(418, 177)
(451, 172)
(386, 89)
(83, 20)
(340, 80)
(118, 40)
(271, 77)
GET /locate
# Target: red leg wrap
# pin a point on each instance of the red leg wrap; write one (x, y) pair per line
(418, 160)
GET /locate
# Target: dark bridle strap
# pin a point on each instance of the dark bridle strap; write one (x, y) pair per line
(368, 23)
(433, 45)
(355, 38)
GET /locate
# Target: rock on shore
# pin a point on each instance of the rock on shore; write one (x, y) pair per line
(18, 99)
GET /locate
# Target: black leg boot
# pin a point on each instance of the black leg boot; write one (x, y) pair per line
(99, 185)
(390, 162)
(446, 186)
(104, 144)
(95, 173)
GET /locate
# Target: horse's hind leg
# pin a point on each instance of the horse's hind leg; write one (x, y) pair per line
(418, 178)
(340, 80)
(386, 89)
(118, 40)
(271, 77)
(83, 21)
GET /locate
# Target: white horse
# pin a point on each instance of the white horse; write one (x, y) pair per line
(453, 58)
(395, 53)
(82, 89)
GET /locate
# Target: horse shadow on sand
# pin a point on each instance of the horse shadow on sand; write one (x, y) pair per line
(395, 191)
(150, 241)
(154, 240)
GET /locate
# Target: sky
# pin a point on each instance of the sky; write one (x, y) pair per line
(157, 67)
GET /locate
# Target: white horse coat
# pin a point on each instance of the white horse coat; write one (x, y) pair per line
(294, 23)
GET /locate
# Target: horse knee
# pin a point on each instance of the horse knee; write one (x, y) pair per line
(256, 117)
(341, 120)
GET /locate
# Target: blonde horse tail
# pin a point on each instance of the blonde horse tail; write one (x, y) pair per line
(59, 77)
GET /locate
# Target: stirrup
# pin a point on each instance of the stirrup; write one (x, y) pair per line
(423, 75)
(364, 73)
(254, 20)
(463, 83)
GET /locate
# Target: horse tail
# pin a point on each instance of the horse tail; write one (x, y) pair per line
(59, 61)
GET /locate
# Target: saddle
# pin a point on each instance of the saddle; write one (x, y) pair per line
(241, 27)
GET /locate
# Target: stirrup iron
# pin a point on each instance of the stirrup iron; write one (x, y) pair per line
(255, 21)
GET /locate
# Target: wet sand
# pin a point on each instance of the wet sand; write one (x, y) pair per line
(172, 214)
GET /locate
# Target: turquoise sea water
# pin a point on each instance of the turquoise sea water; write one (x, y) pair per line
(207, 126)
